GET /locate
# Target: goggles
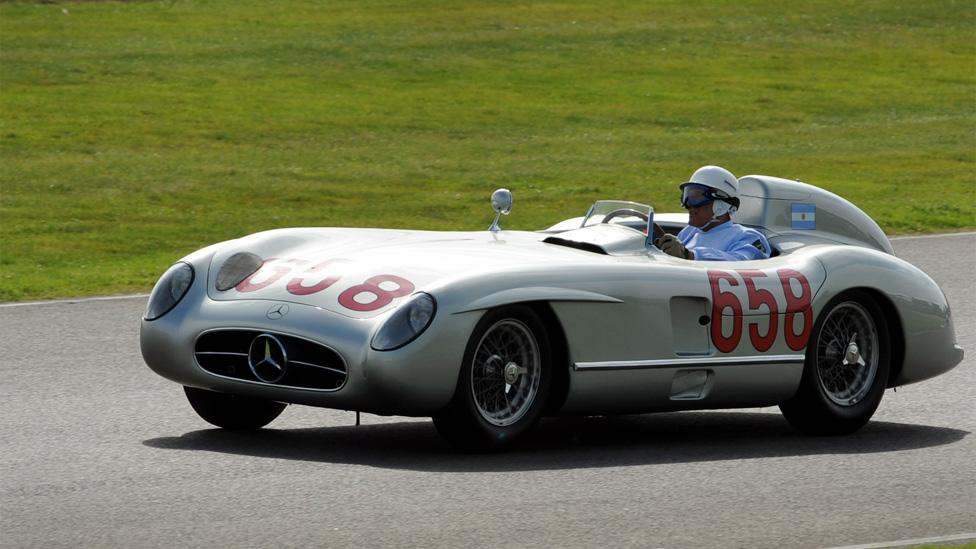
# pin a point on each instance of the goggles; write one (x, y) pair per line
(694, 195)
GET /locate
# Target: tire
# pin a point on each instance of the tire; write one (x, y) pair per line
(846, 368)
(233, 411)
(503, 384)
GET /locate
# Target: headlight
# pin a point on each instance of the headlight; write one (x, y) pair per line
(170, 289)
(237, 267)
(406, 323)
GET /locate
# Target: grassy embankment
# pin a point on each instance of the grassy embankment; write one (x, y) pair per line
(133, 133)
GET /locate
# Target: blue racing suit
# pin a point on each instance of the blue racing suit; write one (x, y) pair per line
(725, 242)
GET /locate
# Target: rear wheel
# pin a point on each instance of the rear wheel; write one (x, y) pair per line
(846, 368)
(232, 411)
(503, 383)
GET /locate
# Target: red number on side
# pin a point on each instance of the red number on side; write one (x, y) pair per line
(758, 298)
(279, 268)
(796, 305)
(296, 287)
(372, 286)
(721, 300)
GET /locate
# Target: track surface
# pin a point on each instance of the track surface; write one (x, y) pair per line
(97, 451)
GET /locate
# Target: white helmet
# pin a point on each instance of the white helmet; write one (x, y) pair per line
(708, 184)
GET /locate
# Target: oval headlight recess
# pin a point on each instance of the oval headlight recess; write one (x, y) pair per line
(406, 323)
(237, 267)
(170, 289)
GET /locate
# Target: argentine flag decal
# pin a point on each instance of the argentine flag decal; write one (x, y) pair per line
(804, 216)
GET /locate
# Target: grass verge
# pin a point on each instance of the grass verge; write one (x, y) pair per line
(132, 133)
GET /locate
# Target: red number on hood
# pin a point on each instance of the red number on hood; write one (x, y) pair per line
(297, 287)
(372, 286)
(278, 268)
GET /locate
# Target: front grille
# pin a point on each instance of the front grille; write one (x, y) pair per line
(310, 365)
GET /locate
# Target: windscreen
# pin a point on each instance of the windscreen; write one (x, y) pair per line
(623, 212)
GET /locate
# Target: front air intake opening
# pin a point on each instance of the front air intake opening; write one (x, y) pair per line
(277, 359)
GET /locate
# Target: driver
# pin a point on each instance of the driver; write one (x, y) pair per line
(711, 196)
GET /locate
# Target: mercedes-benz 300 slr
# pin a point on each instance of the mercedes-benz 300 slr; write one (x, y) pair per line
(488, 331)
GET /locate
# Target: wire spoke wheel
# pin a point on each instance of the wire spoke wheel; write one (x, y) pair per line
(503, 382)
(505, 372)
(846, 369)
(847, 354)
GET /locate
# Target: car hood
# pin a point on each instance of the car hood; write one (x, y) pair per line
(363, 272)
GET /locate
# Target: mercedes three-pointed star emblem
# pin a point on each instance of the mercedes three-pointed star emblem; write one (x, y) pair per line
(267, 358)
(277, 311)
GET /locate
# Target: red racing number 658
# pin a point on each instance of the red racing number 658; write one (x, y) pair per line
(368, 296)
(796, 304)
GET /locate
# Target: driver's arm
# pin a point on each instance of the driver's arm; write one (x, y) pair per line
(749, 247)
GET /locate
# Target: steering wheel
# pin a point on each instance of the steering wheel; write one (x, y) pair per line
(624, 212)
(627, 212)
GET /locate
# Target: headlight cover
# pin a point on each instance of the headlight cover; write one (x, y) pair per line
(170, 289)
(237, 267)
(406, 323)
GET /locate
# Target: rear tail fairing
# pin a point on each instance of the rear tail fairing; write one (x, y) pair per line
(795, 214)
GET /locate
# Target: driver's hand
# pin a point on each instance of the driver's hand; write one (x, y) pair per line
(670, 245)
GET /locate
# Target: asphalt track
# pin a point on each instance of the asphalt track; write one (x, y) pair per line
(99, 452)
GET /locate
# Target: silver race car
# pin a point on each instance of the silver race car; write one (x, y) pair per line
(488, 331)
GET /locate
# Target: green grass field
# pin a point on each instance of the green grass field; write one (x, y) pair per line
(133, 133)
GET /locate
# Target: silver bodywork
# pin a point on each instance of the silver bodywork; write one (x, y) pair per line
(635, 329)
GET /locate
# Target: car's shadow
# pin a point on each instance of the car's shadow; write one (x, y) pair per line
(565, 443)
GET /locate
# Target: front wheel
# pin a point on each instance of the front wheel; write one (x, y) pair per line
(232, 411)
(846, 368)
(503, 382)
